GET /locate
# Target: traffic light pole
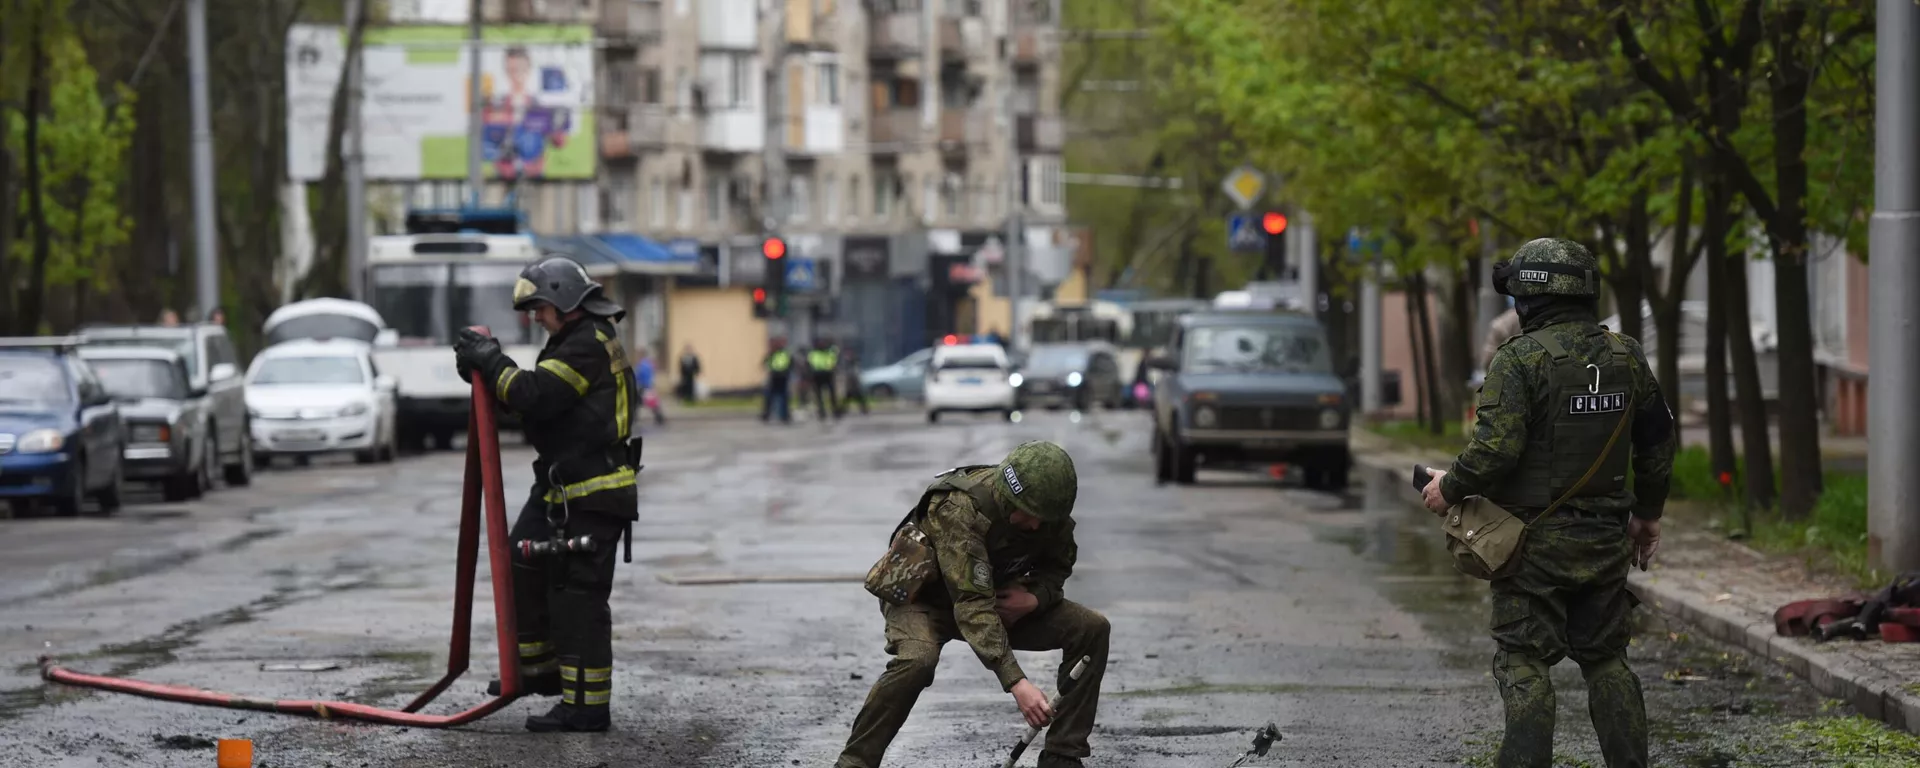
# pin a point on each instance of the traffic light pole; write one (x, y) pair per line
(774, 161)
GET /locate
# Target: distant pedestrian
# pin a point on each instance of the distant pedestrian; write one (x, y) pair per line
(218, 316)
(823, 364)
(779, 365)
(1504, 327)
(687, 389)
(169, 318)
(643, 376)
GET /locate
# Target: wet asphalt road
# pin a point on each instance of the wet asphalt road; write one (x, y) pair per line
(1235, 602)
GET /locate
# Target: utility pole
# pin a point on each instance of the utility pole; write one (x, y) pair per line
(474, 113)
(1307, 271)
(356, 163)
(206, 264)
(774, 153)
(1893, 487)
(1369, 331)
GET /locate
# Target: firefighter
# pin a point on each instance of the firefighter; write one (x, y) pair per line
(577, 407)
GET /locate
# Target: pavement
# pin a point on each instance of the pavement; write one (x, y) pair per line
(743, 638)
(1729, 591)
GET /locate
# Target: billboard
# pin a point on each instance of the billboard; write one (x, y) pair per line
(536, 89)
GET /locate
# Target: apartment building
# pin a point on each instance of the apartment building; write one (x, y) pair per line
(906, 135)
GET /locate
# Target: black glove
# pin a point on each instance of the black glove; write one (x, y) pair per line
(476, 351)
(460, 365)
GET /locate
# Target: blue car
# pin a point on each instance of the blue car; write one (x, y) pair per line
(61, 436)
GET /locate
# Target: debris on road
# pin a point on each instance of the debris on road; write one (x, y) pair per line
(182, 741)
(1263, 740)
(299, 666)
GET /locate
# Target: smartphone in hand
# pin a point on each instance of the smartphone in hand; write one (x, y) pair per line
(1421, 476)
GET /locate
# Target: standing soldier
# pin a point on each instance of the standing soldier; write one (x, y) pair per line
(823, 364)
(577, 408)
(779, 365)
(985, 556)
(1546, 449)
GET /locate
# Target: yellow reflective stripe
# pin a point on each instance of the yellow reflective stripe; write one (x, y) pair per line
(569, 696)
(569, 673)
(541, 668)
(566, 374)
(599, 674)
(620, 478)
(622, 417)
(535, 648)
(596, 698)
(500, 385)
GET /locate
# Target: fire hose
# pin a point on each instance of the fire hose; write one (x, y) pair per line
(481, 483)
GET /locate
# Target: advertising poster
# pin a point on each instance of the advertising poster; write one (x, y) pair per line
(536, 90)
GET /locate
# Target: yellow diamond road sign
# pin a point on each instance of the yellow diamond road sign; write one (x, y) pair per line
(1244, 185)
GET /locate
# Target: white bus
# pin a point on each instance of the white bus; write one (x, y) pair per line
(456, 270)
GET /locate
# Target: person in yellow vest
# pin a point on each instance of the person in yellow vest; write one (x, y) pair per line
(779, 365)
(823, 362)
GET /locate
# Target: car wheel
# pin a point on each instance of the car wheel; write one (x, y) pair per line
(367, 456)
(389, 449)
(240, 473)
(109, 497)
(76, 498)
(1162, 459)
(1334, 478)
(1181, 461)
(933, 417)
(207, 478)
(1007, 415)
(443, 441)
(882, 392)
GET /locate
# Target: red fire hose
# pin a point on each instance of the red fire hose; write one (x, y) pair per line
(482, 476)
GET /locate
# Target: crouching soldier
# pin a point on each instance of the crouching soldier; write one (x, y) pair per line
(985, 556)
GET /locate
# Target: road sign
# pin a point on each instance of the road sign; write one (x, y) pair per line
(800, 274)
(1244, 185)
(1244, 235)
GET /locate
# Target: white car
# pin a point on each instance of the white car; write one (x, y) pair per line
(309, 397)
(970, 377)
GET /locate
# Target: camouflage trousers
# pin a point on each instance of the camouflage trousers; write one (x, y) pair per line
(915, 635)
(1568, 597)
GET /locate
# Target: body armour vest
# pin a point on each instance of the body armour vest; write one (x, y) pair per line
(1586, 401)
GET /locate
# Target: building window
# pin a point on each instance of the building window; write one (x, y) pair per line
(656, 204)
(950, 195)
(883, 186)
(650, 86)
(853, 198)
(1051, 183)
(799, 206)
(620, 201)
(826, 87)
(741, 79)
(683, 209)
(929, 198)
(829, 199)
(716, 197)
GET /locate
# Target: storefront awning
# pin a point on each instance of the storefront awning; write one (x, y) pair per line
(624, 253)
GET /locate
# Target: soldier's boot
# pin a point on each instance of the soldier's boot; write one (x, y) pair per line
(1618, 711)
(1527, 690)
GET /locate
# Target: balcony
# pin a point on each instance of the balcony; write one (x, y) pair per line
(627, 21)
(1029, 47)
(733, 131)
(894, 129)
(962, 128)
(817, 131)
(729, 24)
(614, 145)
(894, 35)
(650, 127)
(952, 42)
(1036, 133)
(806, 29)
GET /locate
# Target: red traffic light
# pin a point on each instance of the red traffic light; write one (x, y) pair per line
(774, 248)
(759, 295)
(1274, 223)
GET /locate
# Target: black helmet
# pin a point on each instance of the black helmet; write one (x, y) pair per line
(563, 283)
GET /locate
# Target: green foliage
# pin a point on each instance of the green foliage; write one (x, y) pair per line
(1856, 742)
(1413, 433)
(1834, 537)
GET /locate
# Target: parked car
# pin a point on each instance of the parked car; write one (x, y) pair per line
(328, 319)
(1250, 387)
(61, 436)
(1074, 374)
(309, 397)
(166, 426)
(969, 377)
(213, 367)
(904, 378)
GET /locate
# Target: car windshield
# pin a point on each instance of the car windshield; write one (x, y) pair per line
(323, 326)
(181, 344)
(135, 379)
(969, 362)
(309, 370)
(1272, 347)
(1048, 359)
(32, 378)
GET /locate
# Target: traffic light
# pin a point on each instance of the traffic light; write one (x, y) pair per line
(775, 290)
(1274, 223)
(761, 309)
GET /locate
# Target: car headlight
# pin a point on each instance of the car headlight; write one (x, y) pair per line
(1204, 417)
(1329, 419)
(355, 409)
(40, 441)
(1073, 379)
(1015, 380)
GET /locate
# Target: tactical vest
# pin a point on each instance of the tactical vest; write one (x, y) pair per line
(780, 361)
(958, 479)
(1588, 400)
(823, 360)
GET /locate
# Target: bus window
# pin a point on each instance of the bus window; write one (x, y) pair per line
(482, 294)
(412, 298)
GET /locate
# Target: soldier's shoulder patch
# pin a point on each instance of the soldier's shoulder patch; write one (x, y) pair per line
(981, 580)
(1490, 393)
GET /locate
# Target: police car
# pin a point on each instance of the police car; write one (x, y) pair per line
(970, 377)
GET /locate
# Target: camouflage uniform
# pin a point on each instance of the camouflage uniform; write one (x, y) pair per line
(980, 552)
(1567, 595)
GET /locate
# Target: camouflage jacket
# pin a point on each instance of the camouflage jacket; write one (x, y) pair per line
(1514, 399)
(981, 551)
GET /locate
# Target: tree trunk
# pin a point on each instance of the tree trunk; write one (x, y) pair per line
(1632, 292)
(32, 307)
(1748, 397)
(1429, 370)
(1415, 378)
(1667, 317)
(1456, 345)
(1716, 222)
(324, 276)
(1799, 424)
